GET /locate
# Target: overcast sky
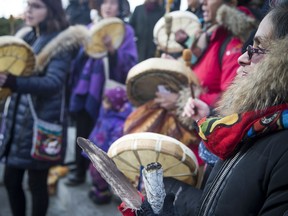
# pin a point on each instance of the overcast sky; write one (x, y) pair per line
(16, 7)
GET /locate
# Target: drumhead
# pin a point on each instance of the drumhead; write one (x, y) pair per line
(114, 27)
(144, 79)
(133, 151)
(180, 20)
(16, 56)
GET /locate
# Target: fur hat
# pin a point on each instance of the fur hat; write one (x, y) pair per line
(117, 97)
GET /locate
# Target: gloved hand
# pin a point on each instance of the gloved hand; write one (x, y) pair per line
(7, 80)
(167, 210)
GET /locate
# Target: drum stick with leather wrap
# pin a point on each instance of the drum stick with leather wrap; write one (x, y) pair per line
(187, 56)
(168, 5)
(168, 26)
(168, 23)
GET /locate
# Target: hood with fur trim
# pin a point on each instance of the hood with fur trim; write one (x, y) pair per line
(236, 21)
(73, 37)
(263, 87)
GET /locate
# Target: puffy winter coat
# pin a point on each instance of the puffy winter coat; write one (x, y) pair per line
(253, 182)
(46, 89)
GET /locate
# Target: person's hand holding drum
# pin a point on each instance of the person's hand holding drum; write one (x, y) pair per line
(166, 100)
(3, 78)
(107, 40)
(195, 104)
(181, 36)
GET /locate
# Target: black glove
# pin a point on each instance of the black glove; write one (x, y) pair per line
(145, 209)
(167, 210)
(10, 82)
(168, 206)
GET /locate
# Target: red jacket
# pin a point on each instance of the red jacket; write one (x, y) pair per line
(215, 76)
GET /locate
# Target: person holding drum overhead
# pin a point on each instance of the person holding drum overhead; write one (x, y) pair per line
(250, 135)
(45, 87)
(88, 76)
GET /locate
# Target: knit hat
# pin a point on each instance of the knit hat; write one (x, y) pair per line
(117, 97)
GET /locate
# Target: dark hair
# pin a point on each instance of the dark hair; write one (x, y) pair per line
(279, 18)
(124, 7)
(56, 18)
(160, 2)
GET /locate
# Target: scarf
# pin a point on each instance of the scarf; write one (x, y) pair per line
(223, 136)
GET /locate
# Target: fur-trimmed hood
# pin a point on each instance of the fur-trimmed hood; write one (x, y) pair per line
(263, 87)
(73, 37)
(236, 21)
(67, 40)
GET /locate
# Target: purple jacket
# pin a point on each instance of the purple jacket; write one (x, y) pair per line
(109, 127)
(87, 91)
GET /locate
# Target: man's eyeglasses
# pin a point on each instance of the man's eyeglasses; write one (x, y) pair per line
(251, 50)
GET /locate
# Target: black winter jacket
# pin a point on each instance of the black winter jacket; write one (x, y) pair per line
(253, 182)
(143, 23)
(47, 89)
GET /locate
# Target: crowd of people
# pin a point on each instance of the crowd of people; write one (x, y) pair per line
(239, 57)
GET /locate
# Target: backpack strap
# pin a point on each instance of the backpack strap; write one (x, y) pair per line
(223, 48)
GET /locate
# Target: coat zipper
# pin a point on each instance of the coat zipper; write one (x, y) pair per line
(217, 182)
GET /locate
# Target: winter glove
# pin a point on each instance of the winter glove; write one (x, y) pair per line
(9, 82)
(167, 210)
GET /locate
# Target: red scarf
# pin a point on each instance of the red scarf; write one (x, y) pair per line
(223, 135)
